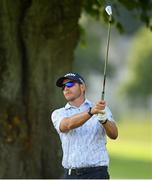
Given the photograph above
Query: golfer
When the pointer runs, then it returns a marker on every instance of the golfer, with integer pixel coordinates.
(82, 127)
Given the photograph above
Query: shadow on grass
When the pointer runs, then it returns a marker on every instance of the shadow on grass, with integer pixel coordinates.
(125, 168)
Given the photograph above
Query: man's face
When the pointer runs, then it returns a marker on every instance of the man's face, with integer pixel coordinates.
(74, 92)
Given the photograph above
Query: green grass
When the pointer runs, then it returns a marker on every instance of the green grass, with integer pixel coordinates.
(128, 168)
(131, 153)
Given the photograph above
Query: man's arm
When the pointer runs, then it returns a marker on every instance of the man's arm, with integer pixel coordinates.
(111, 129)
(79, 119)
(74, 121)
(109, 126)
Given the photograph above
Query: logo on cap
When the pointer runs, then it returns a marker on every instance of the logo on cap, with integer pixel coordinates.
(70, 74)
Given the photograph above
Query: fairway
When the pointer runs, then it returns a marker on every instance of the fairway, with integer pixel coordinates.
(131, 153)
(129, 168)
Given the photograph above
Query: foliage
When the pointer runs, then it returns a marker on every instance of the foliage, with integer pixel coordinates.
(139, 10)
(139, 83)
(127, 16)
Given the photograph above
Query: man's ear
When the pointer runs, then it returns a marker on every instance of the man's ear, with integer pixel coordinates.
(83, 87)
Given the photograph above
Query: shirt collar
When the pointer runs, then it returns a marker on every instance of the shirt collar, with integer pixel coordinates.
(68, 106)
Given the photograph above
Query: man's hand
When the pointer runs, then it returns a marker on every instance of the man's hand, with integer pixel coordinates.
(99, 107)
(102, 117)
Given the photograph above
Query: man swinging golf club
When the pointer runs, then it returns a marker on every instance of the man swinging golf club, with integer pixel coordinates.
(82, 127)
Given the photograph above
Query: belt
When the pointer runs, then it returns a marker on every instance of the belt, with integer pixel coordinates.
(80, 171)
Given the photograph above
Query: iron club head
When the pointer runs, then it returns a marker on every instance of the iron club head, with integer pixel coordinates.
(108, 9)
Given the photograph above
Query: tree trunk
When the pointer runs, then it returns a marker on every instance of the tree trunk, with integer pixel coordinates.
(38, 39)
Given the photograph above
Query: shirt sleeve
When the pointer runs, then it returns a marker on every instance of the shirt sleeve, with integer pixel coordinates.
(57, 117)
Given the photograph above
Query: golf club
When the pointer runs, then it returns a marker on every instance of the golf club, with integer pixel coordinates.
(108, 10)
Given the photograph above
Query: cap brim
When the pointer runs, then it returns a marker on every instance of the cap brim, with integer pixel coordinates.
(59, 82)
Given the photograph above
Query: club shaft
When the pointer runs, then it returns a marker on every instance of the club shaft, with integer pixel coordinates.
(106, 60)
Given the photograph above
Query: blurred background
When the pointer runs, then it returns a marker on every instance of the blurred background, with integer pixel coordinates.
(40, 41)
(128, 91)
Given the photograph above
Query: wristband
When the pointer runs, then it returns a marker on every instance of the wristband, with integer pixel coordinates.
(104, 122)
(89, 112)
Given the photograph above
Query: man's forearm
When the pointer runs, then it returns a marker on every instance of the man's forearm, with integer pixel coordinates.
(111, 129)
(74, 121)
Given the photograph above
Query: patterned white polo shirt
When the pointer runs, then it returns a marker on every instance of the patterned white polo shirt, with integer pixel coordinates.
(84, 146)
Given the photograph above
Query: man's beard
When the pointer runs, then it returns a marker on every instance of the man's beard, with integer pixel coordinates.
(73, 98)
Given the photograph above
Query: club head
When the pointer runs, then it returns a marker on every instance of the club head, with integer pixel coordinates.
(108, 9)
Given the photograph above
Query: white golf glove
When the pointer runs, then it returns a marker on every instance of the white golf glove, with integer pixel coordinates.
(102, 117)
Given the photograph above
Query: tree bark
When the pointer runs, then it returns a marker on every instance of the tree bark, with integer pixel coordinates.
(38, 39)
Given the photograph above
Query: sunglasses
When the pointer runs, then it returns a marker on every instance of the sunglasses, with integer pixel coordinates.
(68, 84)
